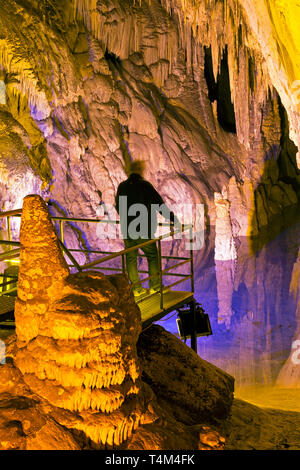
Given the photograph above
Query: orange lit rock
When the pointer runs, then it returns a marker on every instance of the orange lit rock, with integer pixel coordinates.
(41, 264)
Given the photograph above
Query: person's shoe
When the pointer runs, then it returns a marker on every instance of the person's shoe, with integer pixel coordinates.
(138, 294)
(154, 290)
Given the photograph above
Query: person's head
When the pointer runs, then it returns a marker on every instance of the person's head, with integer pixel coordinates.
(136, 166)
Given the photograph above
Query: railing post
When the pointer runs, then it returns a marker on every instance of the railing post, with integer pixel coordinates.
(8, 228)
(193, 326)
(123, 264)
(192, 304)
(160, 275)
(192, 260)
(61, 226)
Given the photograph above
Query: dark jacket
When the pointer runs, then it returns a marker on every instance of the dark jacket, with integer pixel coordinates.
(140, 191)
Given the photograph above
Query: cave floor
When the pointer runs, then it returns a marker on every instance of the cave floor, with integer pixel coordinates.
(250, 427)
(286, 399)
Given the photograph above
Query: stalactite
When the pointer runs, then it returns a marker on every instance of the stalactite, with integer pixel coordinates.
(215, 24)
(28, 82)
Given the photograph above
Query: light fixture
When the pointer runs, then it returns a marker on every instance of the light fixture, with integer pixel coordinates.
(184, 322)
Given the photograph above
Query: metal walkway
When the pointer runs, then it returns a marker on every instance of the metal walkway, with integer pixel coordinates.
(151, 310)
(153, 307)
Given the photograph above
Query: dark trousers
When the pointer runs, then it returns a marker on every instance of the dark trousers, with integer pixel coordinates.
(131, 263)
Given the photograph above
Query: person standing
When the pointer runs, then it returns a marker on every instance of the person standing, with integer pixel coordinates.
(138, 195)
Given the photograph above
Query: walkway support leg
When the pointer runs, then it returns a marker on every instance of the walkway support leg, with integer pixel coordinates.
(193, 326)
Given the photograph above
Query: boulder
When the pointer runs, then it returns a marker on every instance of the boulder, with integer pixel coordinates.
(191, 388)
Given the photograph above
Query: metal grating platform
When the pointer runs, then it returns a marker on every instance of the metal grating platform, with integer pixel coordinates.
(150, 306)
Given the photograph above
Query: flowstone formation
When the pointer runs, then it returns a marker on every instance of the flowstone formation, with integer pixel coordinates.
(73, 378)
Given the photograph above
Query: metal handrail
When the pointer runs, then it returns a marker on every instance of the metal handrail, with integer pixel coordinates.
(70, 256)
(133, 248)
(93, 264)
(77, 250)
(11, 213)
(11, 276)
(10, 254)
(161, 271)
(9, 291)
(9, 242)
(18, 213)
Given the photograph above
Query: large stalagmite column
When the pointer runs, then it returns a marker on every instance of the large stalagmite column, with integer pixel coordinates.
(41, 264)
